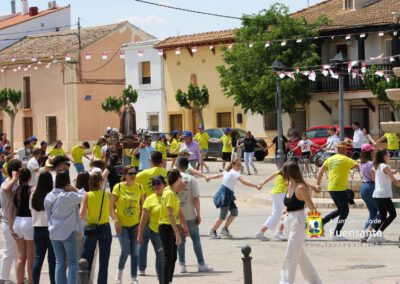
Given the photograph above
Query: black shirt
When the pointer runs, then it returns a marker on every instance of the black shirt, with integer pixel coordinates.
(115, 175)
(293, 204)
(21, 200)
(284, 141)
(249, 144)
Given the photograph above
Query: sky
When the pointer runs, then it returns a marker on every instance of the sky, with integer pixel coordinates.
(162, 22)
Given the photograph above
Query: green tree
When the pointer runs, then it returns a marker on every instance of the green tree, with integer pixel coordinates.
(114, 104)
(247, 75)
(195, 99)
(9, 101)
(378, 86)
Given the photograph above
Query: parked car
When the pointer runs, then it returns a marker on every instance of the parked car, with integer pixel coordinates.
(215, 148)
(319, 134)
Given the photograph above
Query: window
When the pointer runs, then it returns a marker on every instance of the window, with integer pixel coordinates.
(175, 122)
(27, 127)
(26, 96)
(146, 72)
(51, 129)
(270, 122)
(224, 119)
(385, 115)
(299, 119)
(152, 122)
(348, 4)
(360, 114)
(388, 50)
(342, 48)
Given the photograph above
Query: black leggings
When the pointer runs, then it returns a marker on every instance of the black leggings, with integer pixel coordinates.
(170, 252)
(341, 201)
(385, 206)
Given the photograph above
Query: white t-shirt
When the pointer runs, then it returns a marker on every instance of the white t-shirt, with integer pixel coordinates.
(331, 143)
(305, 145)
(186, 196)
(230, 179)
(33, 167)
(24, 155)
(39, 218)
(383, 184)
(358, 139)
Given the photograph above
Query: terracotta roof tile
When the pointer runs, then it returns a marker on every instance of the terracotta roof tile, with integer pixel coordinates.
(15, 19)
(55, 44)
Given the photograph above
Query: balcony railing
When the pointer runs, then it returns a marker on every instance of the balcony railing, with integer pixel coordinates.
(328, 84)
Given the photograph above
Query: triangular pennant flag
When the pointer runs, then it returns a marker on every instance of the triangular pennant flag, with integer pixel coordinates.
(211, 47)
(19, 67)
(387, 77)
(194, 49)
(392, 59)
(354, 75)
(299, 40)
(354, 63)
(68, 57)
(312, 76)
(230, 46)
(363, 35)
(331, 72)
(363, 67)
(290, 75)
(178, 51)
(25, 69)
(250, 45)
(48, 65)
(381, 33)
(378, 57)
(326, 66)
(267, 44)
(380, 73)
(140, 53)
(88, 56)
(121, 54)
(104, 56)
(348, 37)
(160, 52)
(283, 43)
(13, 58)
(305, 73)
(33, 58)
(325, 72)
(349, 67)
(335, 76)
(36, 68)
(282, 75)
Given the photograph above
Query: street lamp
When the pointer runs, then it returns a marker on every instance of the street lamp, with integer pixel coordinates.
(279, 66)
(339, 65)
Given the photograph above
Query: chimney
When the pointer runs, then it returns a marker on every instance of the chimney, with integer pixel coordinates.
(24, 7)
(13, 11)
(33, 11)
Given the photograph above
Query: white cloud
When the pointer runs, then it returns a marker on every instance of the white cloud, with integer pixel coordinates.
(148, 21)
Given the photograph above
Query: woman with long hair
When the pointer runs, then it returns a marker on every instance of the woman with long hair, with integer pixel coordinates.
(97, 153)
(57, 149)
(61, 206)
(225, 197)
(162, 146)
(175, 144)
(150, 217)
(367, 139)
(96, 208)
(82, 181)
(297, 197)
(40, 228)
(249, 144)
(21, 226)
(383, 194)
(367, 172)
(127, 198)
(171, 218)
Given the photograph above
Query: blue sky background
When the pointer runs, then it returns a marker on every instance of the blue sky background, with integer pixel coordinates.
(162, 22)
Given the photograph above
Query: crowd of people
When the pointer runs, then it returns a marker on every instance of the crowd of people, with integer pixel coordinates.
(45, 211)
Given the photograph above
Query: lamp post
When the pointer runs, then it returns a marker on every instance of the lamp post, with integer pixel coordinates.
(339, 61)
(279, 66)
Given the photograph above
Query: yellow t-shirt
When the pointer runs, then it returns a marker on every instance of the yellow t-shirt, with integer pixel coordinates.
(226, 144)
(280, 186)
(202, 140)
(392, 141)
(169, 199)
(94, 204)
(144, 178)
(161, 147)
(97, 151)
(77, 154)
(135, 161)
(57, 152)
(339, 167)
(128, 203)
(152, 204)
(175, 147)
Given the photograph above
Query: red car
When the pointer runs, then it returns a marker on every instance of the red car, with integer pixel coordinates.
(319, 134)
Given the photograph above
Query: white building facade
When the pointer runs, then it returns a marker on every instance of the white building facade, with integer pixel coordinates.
(144, 72)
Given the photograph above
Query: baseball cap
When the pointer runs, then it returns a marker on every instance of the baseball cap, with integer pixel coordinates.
(33, 138)
(162, 135)
(366, 148)
(1, 150)
(227, 130)
(187, 133)
(201, 127)
(175, 132)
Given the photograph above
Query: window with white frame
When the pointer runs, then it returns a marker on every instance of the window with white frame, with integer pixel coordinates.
(145, 71)
(153, 123)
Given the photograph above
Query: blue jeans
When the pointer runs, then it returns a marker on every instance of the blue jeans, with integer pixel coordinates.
(128, 243)
(149, 235)
(43, 244)
(248, 161)
(79, 167)
(195, 236)
(66, 250)
(367, 189)
(104, 238)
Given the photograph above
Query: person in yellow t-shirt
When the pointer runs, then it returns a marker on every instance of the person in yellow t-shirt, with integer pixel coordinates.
(96, 206)
(392, 143)
(148, 227)
(77, 153)
(175, 145)
(162, 146)
(135, 161)
(127, 197)
(57, 149)
(170, 218)
(202, 139)
(145, 176)
(227, 148)
(97, 154)
(338, 168)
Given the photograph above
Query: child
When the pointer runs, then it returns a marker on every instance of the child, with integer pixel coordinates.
(305, 145)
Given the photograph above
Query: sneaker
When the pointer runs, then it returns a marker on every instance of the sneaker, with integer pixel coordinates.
(205, 268)
(373, 238)
(262, 237)
(339, 239)
(134, 280)
(225, 233)
(118, 277)
(213, 234)
(381, 240)
(183, 268)
(280, 236)
(142, 273)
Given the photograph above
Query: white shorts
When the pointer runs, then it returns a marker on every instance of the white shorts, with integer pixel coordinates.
(23, 228)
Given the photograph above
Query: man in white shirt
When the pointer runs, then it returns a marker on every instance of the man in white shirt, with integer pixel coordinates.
(24, 154)
(358, 138)
(332, 142)
(33, 166)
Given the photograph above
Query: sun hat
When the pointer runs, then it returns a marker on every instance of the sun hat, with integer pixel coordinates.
(366, 147)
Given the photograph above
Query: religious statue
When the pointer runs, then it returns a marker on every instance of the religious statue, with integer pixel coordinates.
(128, 120)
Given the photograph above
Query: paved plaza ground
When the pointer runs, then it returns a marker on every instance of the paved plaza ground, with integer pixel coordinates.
(345, 262)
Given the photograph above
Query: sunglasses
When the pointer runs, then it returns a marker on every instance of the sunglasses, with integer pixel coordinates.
(68, 164)
(156, 183)
(131, 173)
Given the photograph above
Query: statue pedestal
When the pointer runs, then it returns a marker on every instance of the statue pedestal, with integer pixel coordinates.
(130, 142)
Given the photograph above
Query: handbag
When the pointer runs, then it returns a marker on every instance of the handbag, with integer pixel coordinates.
(92, 230)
